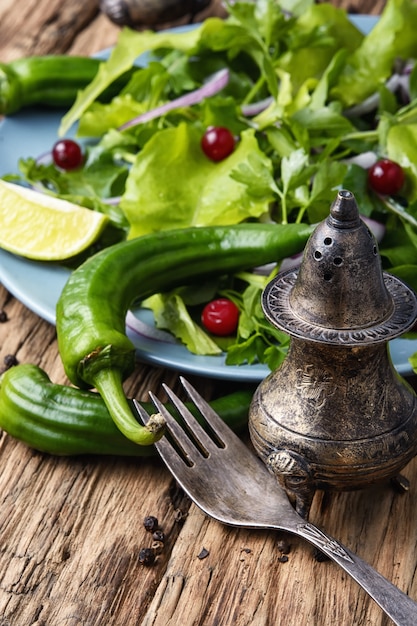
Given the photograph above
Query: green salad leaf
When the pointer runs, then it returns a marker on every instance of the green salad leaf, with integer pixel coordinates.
(171, 314)
(392, 38)
(402, 148)
(123, 56)
(195, 190)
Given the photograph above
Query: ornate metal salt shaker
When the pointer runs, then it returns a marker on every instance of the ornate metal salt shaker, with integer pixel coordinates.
(336, 415)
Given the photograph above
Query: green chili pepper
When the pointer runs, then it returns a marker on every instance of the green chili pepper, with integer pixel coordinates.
(67, 421)
(92, 307)
(51, 80)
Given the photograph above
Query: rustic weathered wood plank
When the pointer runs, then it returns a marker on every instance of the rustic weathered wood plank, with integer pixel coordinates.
(71, 529)
(42, 27)
(80, 531)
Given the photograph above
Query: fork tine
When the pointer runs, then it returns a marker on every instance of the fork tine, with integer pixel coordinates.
(189, 451)
(141, 411)
(194, 427)
(212, 418)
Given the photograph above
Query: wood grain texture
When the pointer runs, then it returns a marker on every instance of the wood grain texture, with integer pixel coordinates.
(71, 529)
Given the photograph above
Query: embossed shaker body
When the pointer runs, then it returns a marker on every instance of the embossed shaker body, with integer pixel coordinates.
(336, 415)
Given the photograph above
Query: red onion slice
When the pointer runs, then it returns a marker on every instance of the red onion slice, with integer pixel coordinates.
(216, 83)
(255, 108)
(144, 330)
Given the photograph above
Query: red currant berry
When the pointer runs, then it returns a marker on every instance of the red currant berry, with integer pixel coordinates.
(67, 154)
(386, 177)
(220, 317)
(217, 143)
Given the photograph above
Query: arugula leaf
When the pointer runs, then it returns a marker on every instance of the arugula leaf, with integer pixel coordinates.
(256, 30)
(356, 180)
(256, 174)
(327, 179)
(295, 171)
(257, 340)
(88, 187)
(320, 33)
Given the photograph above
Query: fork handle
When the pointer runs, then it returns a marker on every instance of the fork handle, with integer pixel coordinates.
(396, 604)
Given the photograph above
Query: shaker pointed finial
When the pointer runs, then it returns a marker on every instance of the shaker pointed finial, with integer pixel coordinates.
(344, 212)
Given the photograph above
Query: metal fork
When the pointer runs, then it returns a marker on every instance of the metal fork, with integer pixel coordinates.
(229, 483)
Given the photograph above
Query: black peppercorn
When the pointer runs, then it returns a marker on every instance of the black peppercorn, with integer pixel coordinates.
(147, 556)
(319, 556)
(283, 546)
(10, 360)
(150, 523)
(158, 535)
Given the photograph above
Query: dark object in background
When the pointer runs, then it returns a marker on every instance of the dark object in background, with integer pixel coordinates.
(150, 12)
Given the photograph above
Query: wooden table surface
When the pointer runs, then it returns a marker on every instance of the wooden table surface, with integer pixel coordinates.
(71, 528)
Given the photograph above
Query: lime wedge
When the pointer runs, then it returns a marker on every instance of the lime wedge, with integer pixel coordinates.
(41, 227)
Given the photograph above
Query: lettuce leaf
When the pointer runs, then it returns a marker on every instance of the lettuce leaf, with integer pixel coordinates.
(171, 314)
(172, 184)
(393, 37)
(402, 148)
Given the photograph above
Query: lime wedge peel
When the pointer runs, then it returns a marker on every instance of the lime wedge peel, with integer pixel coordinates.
(44, 228)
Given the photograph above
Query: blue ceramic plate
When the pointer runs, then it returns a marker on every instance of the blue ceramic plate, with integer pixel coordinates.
(38, 285)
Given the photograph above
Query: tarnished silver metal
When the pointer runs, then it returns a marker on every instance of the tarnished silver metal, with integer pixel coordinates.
(226, 480)
(150, 12)
(336, 415)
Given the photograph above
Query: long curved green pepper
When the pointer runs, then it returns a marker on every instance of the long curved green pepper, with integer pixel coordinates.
(91, 311)
(66, 421)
